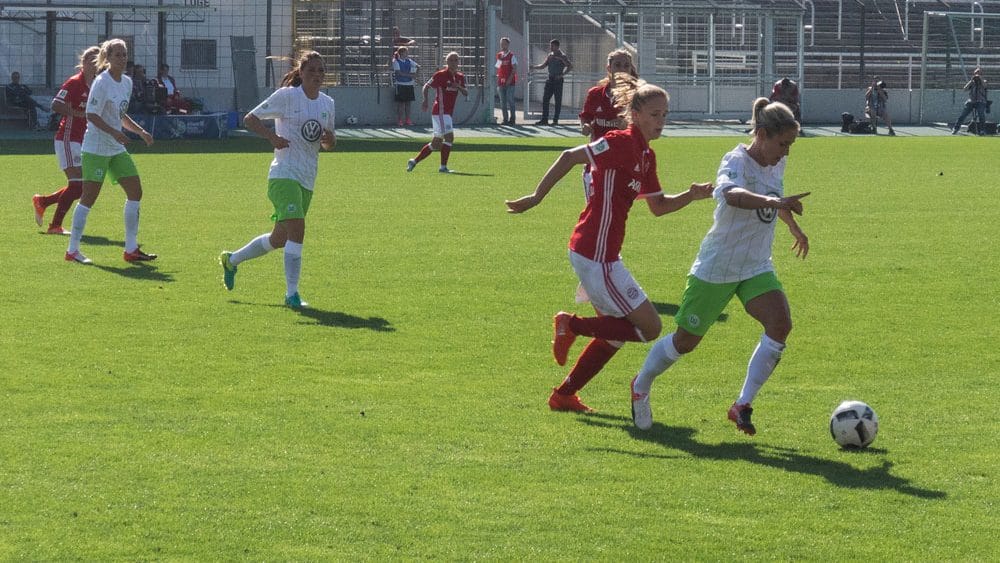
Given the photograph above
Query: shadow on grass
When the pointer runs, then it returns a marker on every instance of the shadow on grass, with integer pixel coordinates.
(100, 241)
(335, 319)
(672, 308)
(786, 459)
(138, 271)
(454, 173)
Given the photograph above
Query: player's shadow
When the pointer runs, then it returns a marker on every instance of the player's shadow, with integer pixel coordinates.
(91, 240)
(671, 309)
(454, 173)
(334, 319)
(786, 459)
(138, 271)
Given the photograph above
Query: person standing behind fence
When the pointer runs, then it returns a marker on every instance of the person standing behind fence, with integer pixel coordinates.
(735, 260)
(786, 91)
(506, 66)
(600, 115)
(877, 105)
(977, 101)
(71, 103)
(624, 170)
(403, 70)
(303, 124)
(447, 83)
(103, 151)
(558, 64)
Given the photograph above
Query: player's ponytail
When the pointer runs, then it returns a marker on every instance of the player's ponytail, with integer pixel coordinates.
(773, 117)
(632, 93)
(294, 76)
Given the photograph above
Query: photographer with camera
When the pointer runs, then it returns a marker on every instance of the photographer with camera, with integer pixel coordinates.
(877, 105)
(977, 101)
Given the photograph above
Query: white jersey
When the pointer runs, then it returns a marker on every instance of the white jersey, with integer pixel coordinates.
(108, 99)
(301, 121)
(738, 246)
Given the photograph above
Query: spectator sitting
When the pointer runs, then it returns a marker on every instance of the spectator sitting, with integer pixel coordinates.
(19, 95)
(143, 98)
(175, 102)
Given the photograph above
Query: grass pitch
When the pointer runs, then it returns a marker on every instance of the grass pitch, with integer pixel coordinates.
(147, 413)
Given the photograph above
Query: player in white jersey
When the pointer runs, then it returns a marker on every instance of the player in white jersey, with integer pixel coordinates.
(303, 123)
(104, 151)
(735, 259)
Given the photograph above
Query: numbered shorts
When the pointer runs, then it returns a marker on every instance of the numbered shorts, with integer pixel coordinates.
(442, 125)
(703, 302)
(289, 198)
(96, 167)
(68, 153)
(609, 286)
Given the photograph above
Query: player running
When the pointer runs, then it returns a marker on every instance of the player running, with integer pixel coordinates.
(735, 259)
(600, 115)
(303, 123)
(624, 169)
(447, 83)
(104, 154)
(71, 102)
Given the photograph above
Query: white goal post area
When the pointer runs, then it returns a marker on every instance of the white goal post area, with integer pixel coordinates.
(953, 44)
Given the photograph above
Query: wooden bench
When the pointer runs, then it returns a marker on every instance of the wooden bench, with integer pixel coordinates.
(12, 117)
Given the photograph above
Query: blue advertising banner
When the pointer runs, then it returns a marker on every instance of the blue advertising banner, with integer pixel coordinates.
(201, 126)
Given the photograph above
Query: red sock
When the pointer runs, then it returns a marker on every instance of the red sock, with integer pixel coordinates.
(67, 196)
(53, 197)
(593, 359)
(606, 328)
(424, 152)
(445, 152)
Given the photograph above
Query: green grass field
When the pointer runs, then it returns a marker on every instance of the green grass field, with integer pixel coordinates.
(148, 414)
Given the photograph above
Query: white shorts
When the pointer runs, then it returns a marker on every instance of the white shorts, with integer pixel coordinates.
(442, 125)
(609, 286)
(68, 154)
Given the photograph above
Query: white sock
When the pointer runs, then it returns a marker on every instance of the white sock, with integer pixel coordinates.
(80, 214)
(762, 363)
(293, 265)
(253, 249)
(661, 356)
(131, 225)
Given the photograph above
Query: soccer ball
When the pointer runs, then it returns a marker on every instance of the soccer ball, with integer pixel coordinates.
(853, 424)
(351, 120)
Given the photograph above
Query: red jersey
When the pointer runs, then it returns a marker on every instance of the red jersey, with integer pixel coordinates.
(600, 111)
(624, 168)
(74, 94)
(446, 85)
(505, 68)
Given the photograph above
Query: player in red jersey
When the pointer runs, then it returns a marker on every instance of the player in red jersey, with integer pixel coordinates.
(600, 114)
(447, 83)
(71, 102)
(624, 168)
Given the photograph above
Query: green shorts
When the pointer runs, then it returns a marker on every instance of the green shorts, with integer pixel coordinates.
(96, 167)
(703, 302)
(290, 199)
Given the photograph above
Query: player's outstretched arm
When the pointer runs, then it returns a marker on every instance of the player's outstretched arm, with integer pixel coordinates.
(662, 204)
(566, 161)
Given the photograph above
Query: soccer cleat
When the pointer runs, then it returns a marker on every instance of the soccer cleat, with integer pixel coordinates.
(36, 202)
(137, 255)
(57, 230)
(410, 164)
(562, 338)
(642, 415)
(295, 302)
(77, 256)
(740, 414)
(560, 402)
(444, 169)
(228, 270)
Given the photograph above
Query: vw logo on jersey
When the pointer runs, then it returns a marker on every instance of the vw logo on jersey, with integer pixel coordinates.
(312, 130)
(767, 214)
(123, 107)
